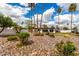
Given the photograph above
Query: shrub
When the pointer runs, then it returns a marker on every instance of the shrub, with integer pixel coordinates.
(47, 33)
(77, 34)
(69, 48)
(18, 45)
(12, 38)
(51, 35)
(66, 35)
(23, 37)
(38, 34)
(66, 49)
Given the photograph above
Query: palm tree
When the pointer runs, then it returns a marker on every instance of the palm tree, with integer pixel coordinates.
(41, 17)
(59, 11)
(37, 16)
(72, 8)
(31, 5)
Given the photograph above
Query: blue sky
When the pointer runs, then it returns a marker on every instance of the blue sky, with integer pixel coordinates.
(20, 12)
(39, 10)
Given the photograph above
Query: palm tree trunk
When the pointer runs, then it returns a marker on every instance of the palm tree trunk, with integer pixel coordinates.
(41, 22)
(71, 21)
(31, 20)
(41, 17)
(58, 22)
(37, 22)
(37, 19)
(34, 22)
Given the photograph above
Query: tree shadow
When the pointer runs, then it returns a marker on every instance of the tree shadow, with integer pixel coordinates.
(29, 42)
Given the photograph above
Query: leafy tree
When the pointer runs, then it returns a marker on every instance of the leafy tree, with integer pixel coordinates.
(52, 27)
(75, 29)
(5, 22)
(65, 28)
(45, 26)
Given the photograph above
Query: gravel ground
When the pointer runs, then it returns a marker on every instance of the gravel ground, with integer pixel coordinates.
(39, 46)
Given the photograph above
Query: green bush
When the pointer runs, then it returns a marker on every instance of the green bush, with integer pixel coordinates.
(69, 48)
(12, 38)
(66, 49)
(23, 37)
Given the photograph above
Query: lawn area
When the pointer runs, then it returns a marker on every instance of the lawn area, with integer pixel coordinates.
(38, 45)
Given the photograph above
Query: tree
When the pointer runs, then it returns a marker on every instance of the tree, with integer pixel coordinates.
(45, 26)
(72, 8)
(65, 28)
(29, 26)
(75, 29)
(31, 5)
(57, 29)
(5, 22)
(59, 11)
(17, 27)
(41, 17)
(37, 17)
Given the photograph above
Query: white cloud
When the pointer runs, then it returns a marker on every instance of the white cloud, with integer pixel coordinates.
(66, 19)
(48, 14)
(65, 6)
(15, 12)
(46, 17)
(24, 4)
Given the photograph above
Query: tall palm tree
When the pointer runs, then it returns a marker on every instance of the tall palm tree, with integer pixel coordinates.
(58, 11)
(34, 21)
(72, 8)
(31, 5)
(37, 16)
(41, 17)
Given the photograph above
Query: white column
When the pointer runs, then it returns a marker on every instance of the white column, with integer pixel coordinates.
(54, 31)
(48, 30)
(41, 31)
